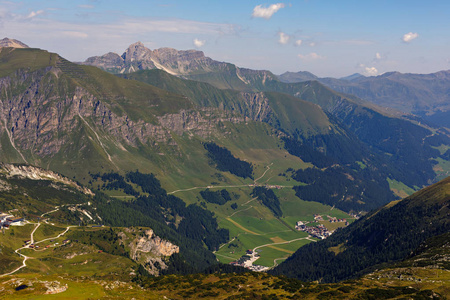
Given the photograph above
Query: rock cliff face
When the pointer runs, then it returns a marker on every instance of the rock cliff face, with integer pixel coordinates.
(40, 114)
(257, 107)
(148, 249)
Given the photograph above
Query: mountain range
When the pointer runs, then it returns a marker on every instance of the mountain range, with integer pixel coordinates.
(212, 158)
(56, 114)
(424, 95)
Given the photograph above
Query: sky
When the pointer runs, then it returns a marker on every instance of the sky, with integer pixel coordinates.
(329, 38)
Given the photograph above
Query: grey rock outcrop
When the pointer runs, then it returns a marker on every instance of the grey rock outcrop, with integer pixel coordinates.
(148, 249)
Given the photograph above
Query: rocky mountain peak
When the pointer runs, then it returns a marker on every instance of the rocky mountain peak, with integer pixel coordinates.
(136, 52)
(7, 42)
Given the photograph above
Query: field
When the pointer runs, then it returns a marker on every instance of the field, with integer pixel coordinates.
(253, 225)
(399, 188)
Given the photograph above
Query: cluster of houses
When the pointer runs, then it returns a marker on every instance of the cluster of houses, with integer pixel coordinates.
(335, 220)
(319, 231)
(7, 220)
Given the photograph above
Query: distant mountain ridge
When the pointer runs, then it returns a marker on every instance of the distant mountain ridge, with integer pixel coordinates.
(188, 64)
(425, 95)
(138, 57)
(290, 77)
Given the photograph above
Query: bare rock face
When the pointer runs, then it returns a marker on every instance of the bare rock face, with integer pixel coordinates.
(201, 122)
(39, 119)
(149, 250)
(152, 243)
(6, 42)
(35, 173)
(184, 62)
(257, 107)
(137, 52)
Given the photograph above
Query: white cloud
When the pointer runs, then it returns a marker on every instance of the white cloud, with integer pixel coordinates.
(368, 71)
(311, 56)
(284, 38)
(312, 44)
(266, 12)
(298, 42)
(198, 43)
(371, 71)
(408, 37)
(377, 56)
(75, 34)
(34, 14)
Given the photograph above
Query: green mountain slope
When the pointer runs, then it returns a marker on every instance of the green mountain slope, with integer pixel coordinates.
(80, 120)
(351, 131)
(383, 236)
(392, 142)
(57, 114)
(407, 146)
(280, 110)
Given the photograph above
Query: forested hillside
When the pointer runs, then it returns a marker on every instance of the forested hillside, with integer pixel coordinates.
(384, 236)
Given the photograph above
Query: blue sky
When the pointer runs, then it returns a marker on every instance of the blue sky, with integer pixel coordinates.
(325, 37)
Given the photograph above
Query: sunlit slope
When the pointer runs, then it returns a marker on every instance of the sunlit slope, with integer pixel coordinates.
(79, 119)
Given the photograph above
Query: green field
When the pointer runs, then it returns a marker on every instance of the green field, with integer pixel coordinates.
(270, 253)
(399, 188)
(252, 225)
(442, 168)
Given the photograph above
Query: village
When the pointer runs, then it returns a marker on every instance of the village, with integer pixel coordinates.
(319, 231)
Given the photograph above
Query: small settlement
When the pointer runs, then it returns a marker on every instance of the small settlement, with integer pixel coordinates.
(318, 231)
(247, 261)
(7, 220)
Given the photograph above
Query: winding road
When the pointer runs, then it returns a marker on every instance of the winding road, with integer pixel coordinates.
(25, 258)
